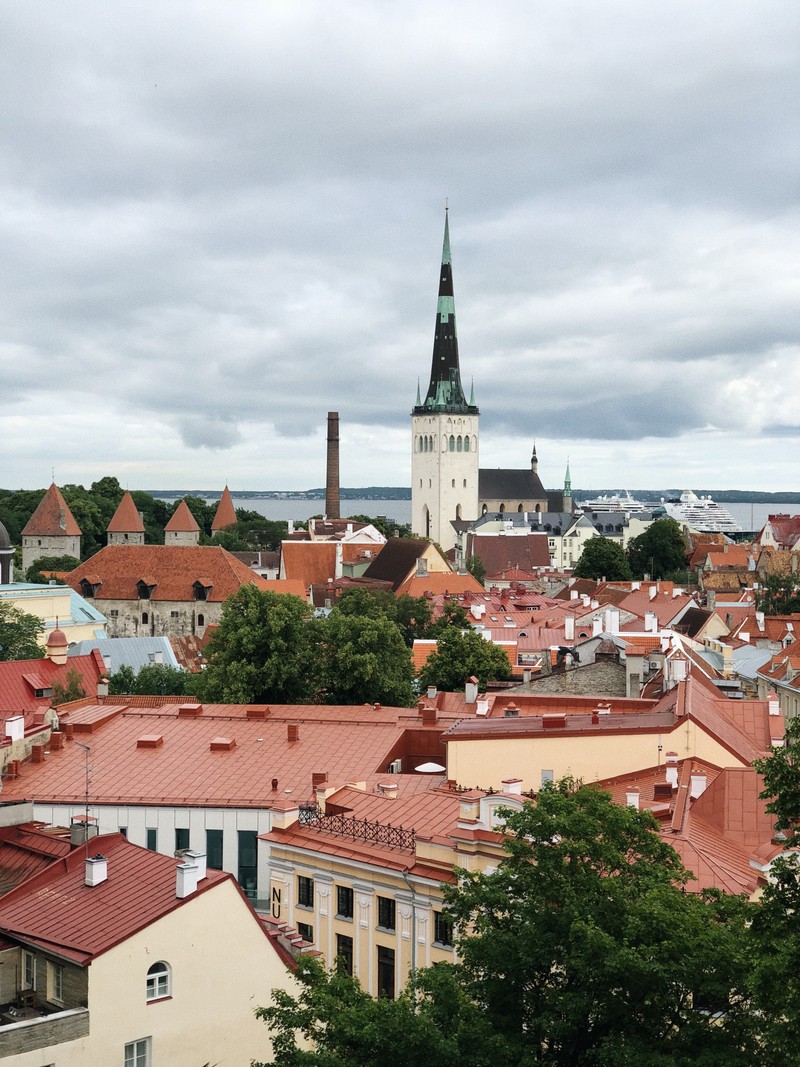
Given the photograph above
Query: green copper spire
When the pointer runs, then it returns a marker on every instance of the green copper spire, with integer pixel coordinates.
(418, 399)
(445, 391)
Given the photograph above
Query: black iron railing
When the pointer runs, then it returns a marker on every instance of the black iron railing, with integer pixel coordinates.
(359, 829)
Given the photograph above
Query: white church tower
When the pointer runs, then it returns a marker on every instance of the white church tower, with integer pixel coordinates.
(444, 430)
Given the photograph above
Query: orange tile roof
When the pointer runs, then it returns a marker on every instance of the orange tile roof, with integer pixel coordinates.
(421, 652)
(439, 583)
(20, 679)
(126, 518)
(52, 517)
(182, 520)
(311, 562)
(174, 569)
(56, 911)
(225, 514)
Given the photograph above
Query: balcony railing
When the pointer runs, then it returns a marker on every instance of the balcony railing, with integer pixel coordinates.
(359, 829)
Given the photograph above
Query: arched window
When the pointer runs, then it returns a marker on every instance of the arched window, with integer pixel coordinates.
(145, 618)
(520, 509)
(201, 620)
(537, 509)
(458, 511)
(453, 484)
(484, 509)
(502, 509)
(459, 444)
(424, 444)
(466, 444)
(452, 443)
(159, 981)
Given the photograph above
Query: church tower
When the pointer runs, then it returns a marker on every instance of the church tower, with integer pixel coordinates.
(444, 431)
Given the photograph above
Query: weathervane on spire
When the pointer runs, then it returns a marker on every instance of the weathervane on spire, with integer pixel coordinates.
(445, 204)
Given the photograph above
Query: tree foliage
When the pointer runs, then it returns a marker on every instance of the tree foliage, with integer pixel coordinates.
(261, 651)
(362, 659)
(19, 634)
(659, 551)
(411, 614)
(476, 568)
(460, 655)
(70, 689)
(49, 563)
(778, 594)
(603, 558)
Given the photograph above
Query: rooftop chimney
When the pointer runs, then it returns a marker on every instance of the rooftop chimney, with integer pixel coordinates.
(569, 627)
(698, 784)
(292, 731)
(96, 870)
(632, 796)
(199, 860)
(186, 878)
(772, 704)
(471, 690)
(512, 787)
(332, 504)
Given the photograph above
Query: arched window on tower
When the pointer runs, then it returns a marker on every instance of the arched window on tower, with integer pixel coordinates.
(502, 509)
(458, 511)
(520, 509)
(452, 443)
(466, 443)
(484, 509)
(459, 443)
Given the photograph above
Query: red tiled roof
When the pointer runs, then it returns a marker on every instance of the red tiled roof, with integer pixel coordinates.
(19, 680)
(310, 562)
(499, 551)
(56, 911)
(126, 518)
(226, 513)
(52, 517)
(445, 583)
(172, 570)
(182, 520)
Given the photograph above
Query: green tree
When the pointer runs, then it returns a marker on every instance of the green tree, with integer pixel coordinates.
(659, 551)
(603, 558)
(778, 594)
(160, 679)
(476, 568)
(49, 563)
(122, 682)
(261, 651)
(70, 689)
(19, 634)
(583, 949)
(460, 655)
(363, 659)
(412, 614)
(452, 615)
(431, 1022)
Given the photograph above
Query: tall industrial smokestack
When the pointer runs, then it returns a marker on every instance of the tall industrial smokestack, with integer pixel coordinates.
(332, 505)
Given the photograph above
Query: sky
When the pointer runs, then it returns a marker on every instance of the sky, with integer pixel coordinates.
(220, 221)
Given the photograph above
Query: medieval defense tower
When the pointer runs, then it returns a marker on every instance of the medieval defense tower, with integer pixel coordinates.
(444, 431)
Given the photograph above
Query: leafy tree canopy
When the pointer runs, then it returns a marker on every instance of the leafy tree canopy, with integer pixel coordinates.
(603, 558)
(363, 660)
(412, 614)
(476, 568)
(262, 650)
(461, 654)
(49, 563)
(70, 689)
(18, 634)
(778, 594)
(659, 551)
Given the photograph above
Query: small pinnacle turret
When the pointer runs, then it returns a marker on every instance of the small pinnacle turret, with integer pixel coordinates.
(567, 483)
(445, 391)
(534, 459)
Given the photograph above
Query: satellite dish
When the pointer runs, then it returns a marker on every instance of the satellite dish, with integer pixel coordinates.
(430, 768)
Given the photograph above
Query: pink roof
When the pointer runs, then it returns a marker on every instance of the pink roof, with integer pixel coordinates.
(52, 517)
(126, 518)
(56, 911)
(182, 521)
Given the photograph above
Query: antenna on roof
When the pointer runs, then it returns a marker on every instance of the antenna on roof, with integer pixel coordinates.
(87, 751)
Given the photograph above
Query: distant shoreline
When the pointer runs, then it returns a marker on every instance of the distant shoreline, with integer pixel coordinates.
(722, 496)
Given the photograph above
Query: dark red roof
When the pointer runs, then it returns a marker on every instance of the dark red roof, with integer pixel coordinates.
(226, 513)
(182, 520)
(52, 517)
(126, 518)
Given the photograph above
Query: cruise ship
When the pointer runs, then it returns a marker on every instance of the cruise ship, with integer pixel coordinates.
(700, 513)
(622, 501)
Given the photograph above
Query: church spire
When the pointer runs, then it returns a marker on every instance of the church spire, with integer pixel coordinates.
(534, 459)
(567, 484)
(445, 391)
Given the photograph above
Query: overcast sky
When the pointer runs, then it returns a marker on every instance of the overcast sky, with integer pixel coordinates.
(219, 221)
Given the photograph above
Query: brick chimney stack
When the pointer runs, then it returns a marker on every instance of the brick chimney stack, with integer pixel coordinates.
(332, 505)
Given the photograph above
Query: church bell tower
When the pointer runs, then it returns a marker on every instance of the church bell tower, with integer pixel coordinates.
(444, 430)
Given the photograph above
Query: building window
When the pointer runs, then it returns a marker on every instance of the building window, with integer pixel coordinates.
(55, 982)
(145, 618)
(151, 838)
(248, 862)
(344, 902)
(158, 981)
(386, 913)
(114, 613)
(214, 849)
(305, 891)
(306, 932)
(28, 970)
(143, 590)
(386, 972)
(124, 831)
(137, 1053)
(547, 777)
(174, 614)
(201, 620)
(442, 930)
(181, 838)
(344, 953)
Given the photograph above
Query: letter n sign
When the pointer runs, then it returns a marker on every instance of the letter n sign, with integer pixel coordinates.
(276, 903)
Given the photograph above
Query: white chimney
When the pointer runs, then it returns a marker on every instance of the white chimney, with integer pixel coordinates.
(471, 690)
(760, 620)
(698, 784)
(512, 787)
(569, 627)
(431, 692)
(585, 599)
(482, 706)
(772, 704)
(186, 878)
(573, 594)
(199, 859)
(650, 622)
(612, 620)
(632, 797)
(594, 604)
(636, 585)
(15, 728)
(652, 592)
(96, 869)
(672, 769)
(597, 626)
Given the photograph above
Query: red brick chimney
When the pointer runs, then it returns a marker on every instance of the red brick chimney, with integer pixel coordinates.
(332, 504)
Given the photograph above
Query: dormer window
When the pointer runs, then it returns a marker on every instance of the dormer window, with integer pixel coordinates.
(144, 590)
(201, 588)
(89, 586)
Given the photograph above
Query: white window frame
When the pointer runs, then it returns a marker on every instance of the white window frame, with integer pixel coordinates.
(159, 981)
(137, 1053)
(28, 970)
(55, 981)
